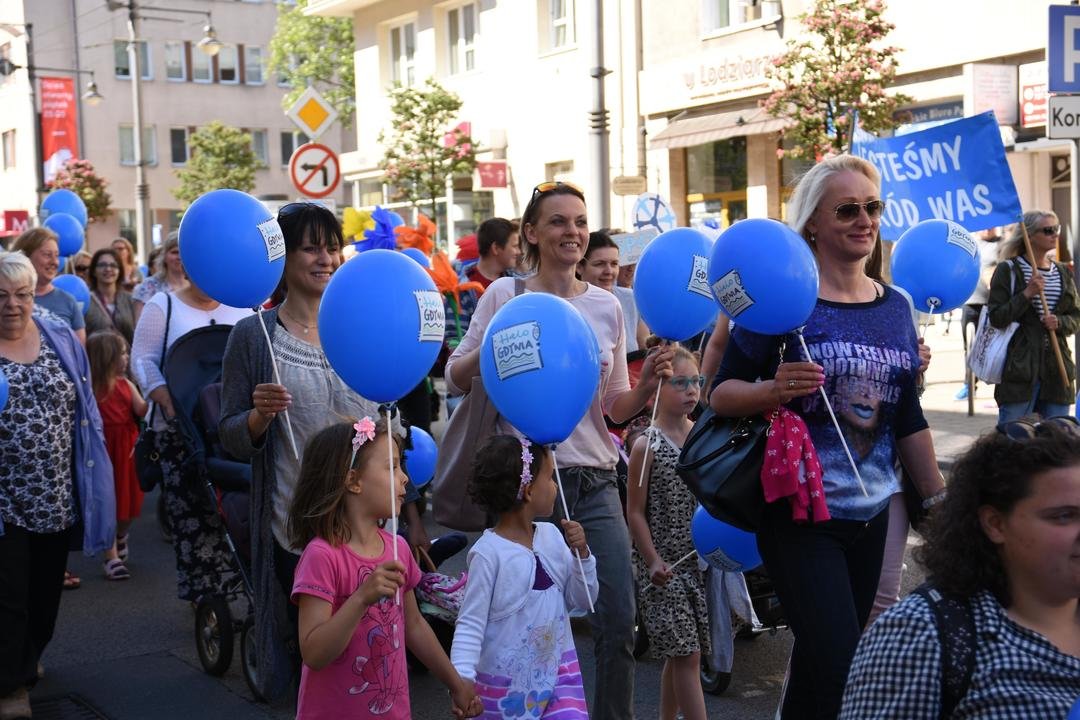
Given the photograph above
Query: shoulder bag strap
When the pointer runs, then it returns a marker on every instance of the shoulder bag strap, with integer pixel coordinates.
(956, 631)
(519, 286)
(164, 346)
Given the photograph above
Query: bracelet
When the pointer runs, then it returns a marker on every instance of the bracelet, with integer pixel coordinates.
(933, 500)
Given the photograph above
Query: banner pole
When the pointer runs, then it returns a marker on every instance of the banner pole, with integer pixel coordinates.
(1046, 308)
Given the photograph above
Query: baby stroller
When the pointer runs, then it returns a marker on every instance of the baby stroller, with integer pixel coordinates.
(192, 369)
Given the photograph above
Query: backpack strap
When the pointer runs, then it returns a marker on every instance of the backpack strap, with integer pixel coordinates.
(955, 625)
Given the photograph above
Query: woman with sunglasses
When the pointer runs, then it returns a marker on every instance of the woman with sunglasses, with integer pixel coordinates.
(79, 265)
(862, 343)
(1003, 548)
(555, 228)
(1031, 381)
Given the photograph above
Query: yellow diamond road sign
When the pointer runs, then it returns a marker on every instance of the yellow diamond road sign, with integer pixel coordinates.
(312, 113)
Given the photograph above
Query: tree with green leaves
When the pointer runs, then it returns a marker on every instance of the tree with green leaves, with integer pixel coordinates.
(318, 51)
(422, 149)
(830, 72)
(80, 177)
(221, 157)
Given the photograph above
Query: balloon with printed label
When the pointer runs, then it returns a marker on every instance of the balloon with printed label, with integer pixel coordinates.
(232, 247)
(724, 547)
(420, 458)
(381, 324)
(70, 233)
(67, 202)
(74, 284)
(937, 262)
(540, 363)
(671, 287)
(764, 276)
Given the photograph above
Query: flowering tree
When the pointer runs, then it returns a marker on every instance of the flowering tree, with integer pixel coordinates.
(80, 177)
(422, 150)
(831, 72)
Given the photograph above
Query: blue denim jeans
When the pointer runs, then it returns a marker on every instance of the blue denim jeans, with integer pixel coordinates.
(593, 499)
(1014, 411)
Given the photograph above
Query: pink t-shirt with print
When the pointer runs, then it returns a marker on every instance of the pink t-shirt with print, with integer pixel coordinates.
(369, 679)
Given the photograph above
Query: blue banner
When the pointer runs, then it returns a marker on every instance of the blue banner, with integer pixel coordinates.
(956, 171)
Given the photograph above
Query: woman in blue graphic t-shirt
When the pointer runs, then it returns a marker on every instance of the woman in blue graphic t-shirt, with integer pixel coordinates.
(865, 352)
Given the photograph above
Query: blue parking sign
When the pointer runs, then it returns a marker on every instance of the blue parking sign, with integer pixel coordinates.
(1063, 49)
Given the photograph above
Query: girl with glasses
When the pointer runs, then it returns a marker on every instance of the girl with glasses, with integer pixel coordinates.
(1031, 381)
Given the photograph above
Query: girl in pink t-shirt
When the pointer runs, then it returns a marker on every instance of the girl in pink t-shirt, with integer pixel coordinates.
(357, 608)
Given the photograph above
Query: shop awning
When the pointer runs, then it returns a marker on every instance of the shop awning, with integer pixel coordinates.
(689, 129)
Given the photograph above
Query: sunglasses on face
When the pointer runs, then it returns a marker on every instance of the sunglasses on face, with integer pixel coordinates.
(849, 211)
(1049, 230)
(1028, 429)
(684, 382)
(546, 187)
(82, 268)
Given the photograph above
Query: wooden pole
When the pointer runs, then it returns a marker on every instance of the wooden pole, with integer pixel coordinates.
(1046, 308)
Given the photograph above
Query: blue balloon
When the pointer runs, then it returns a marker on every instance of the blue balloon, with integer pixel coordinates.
(764, 276)
(144, 270)
(3, 390)
(67, 202)
(671, 287)
(724, 547)
(232, 247)
(420, 460)
(418, 256)
(68, 231)
(74, 284)
(937, 262)
(1074, 714)
(540, 363)
(381, 324)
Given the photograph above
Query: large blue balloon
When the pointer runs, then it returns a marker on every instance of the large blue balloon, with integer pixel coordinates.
(74, 284)
(232, 247)
(65, 201)
(540, 363)
(381, 324)
(937, 262)
(418, 256)
(69, 233)
(3, 390)
(671, 287)
(724, 547)
(764, 276)
(1074, 714)
(420, 459)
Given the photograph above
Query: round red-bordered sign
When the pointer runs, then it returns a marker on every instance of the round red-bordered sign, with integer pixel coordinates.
(314, 170)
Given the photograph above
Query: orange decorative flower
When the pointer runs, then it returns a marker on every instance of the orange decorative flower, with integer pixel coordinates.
(449, 284)
(421, 237)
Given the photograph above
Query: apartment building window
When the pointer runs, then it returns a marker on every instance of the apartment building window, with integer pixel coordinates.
(178, 146)
(461, 36)
(260, 143)
(202, 70)
(123, 60)
(228, 65)
(127, 224)
(722, 14)
(9, 149)
(175, 62)
(290, 140)
(403, 54)
(127, 145)
(561, 17)
(253, 65)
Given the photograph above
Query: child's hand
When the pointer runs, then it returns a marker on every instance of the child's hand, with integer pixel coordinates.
(659, 572)
(466, 702)
(384, 582)
(575, 538)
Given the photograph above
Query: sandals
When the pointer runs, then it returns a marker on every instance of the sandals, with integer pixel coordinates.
(71, 581)
(116, 570)
(122, 546)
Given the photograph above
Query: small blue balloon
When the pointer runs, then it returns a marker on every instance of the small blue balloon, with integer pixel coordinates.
(3, 390)
(764, 276)
(724, 547)
(420, 459)
(540, 363)
(65, 201)
(1074, 714)
(418, 256)
(937, 262)
(671, 287)
(68, 231)
(232, 247)
(74, 285)
(144, 270)
(381, 324)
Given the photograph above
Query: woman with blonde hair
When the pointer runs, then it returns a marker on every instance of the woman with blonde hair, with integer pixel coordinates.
(130, 275)
(169, 278)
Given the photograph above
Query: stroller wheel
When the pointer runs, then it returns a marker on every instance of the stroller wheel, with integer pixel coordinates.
(248, 657)
(164, 523)
(214, 634)
(713, 682)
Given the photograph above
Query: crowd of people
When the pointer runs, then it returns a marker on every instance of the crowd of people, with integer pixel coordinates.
(994, 634)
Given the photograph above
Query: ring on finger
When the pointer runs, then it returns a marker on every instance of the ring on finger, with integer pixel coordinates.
(791, 383)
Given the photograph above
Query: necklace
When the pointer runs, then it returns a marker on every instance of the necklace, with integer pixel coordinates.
(292, 317)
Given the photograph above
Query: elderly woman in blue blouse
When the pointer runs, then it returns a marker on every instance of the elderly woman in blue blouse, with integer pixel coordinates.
(56, 486)
(1003, 556)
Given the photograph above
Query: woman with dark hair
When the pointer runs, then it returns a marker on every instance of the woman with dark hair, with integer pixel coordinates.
(1004, 547)
(600, 266)
(111, 306)
(555, 228)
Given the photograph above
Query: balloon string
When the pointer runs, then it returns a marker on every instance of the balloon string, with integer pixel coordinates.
(393, 495)
(566, 514)
(836, 423)
(678, 562)
(277, 379)
(649, 433)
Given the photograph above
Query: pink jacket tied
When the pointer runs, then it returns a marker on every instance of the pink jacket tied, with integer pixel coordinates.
(791, 468)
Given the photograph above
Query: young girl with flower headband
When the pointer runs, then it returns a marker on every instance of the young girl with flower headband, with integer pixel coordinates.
(357, 608)
(513, 638)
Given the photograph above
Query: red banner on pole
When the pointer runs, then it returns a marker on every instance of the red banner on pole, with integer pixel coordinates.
(59, 124)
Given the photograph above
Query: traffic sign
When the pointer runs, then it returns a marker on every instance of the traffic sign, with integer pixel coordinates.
(314, 170)
(312, 113)
(1063, 49)
(1063, 120)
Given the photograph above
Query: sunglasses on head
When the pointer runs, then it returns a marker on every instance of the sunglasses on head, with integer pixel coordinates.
(1049, 230)
(546, 187)
(1028, 429)
(294, 207)
(849, 211)
(684, 382)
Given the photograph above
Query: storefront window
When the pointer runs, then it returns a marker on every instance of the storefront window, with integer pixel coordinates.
(716, 167)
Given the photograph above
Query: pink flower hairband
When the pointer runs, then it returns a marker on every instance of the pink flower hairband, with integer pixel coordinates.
(365, 431)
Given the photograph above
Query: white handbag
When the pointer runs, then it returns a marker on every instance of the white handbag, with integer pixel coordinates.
(990, 345)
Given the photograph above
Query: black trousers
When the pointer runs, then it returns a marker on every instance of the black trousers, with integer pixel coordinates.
(826, 575)
(31, 582)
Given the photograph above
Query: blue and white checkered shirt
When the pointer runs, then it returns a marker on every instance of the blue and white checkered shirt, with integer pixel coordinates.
(896, 673)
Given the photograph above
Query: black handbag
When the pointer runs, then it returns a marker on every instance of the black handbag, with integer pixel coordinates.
(147, 458)
(721, 464)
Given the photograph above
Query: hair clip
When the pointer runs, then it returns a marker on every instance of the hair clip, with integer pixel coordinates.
(526, 469)
(365, 431)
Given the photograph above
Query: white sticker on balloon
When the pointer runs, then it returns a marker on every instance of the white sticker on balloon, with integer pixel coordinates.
(432, 315)
(517, 349)
(722, 561)
(274, 239)
(731, 294)
(961, 238)
(699, 277)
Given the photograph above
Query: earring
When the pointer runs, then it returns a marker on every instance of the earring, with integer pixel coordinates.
(813, 238)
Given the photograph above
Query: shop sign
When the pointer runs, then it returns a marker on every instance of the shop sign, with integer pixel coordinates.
(1033, 94)
(706, 78)
(991, 87)
(1064, 117)
(14, 222)
(628, 185)
(492, 174)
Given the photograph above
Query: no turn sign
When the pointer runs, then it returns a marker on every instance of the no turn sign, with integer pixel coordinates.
(314, 170)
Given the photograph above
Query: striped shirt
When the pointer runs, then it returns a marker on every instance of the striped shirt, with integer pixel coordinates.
(1052, 288)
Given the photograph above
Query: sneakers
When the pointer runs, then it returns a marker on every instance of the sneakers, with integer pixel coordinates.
(15, 706)
(963, 393)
